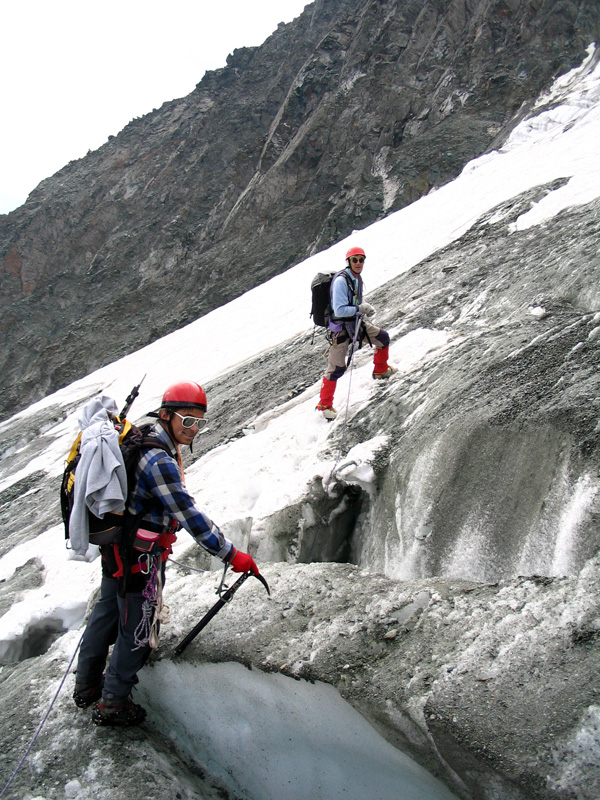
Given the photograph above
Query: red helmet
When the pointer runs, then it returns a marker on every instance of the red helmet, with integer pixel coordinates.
(184, 395)
(355, 251)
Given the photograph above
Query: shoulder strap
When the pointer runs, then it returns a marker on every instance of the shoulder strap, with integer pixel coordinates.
(348, 279)
(351, 289)
(123, 551)
(152, 441)
(148, 441)
(337, 275)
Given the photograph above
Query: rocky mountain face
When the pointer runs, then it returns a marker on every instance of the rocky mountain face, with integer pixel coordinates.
(355, 109)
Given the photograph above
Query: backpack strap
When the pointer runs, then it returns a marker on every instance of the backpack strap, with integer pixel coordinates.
(351, 289)
(123, 551)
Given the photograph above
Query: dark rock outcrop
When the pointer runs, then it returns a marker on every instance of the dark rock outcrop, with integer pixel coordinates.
(354, 110)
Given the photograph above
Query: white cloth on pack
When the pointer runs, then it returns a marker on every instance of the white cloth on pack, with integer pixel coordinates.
(100, 478)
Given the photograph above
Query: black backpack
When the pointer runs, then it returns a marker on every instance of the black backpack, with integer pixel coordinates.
(132, 440)
(321, 296)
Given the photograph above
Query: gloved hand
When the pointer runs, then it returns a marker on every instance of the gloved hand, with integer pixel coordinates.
(242, 562)
(366, 309)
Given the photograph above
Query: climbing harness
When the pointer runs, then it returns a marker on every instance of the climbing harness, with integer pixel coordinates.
(224, 597)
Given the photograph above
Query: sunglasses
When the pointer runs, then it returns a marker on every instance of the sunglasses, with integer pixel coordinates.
(189, 421)
(357, 260)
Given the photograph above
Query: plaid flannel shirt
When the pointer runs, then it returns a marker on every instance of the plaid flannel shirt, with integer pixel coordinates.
(158, 478)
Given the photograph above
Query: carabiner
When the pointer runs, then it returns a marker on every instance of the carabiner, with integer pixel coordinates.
(145, 563)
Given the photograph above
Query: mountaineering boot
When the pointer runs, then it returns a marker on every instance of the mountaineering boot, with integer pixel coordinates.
(328, 411)
(325, 403)
(86, 694)
(121, 713)
(381, 368)
(383, 375)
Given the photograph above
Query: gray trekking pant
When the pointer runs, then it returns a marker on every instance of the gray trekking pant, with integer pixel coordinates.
(112, 622)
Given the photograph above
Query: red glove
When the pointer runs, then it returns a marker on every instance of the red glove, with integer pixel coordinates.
(242, 562)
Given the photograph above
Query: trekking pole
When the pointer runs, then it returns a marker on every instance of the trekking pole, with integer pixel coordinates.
(359, 323)
(225, 598)
(357, 327)
(130, 398)
(350, 363)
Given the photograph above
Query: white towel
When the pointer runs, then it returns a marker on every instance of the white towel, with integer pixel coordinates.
(100, 478)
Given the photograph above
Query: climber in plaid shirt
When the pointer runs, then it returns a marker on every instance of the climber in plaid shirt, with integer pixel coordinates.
(159, 477)
(128, 612)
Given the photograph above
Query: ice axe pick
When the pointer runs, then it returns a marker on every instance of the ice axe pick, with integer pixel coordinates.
(223, 599)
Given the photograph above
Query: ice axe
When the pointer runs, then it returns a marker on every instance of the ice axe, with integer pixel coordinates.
(223, 599)
(129, 400)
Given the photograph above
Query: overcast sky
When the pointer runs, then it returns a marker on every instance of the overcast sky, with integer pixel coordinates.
(74, 72)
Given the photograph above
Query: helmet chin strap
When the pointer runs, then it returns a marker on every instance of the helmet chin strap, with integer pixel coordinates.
(167, 424)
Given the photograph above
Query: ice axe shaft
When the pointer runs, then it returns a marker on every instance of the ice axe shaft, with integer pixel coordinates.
(225, 598)
(129, 400)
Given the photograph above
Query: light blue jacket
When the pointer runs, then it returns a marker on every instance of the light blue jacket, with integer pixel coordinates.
(345, 301)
